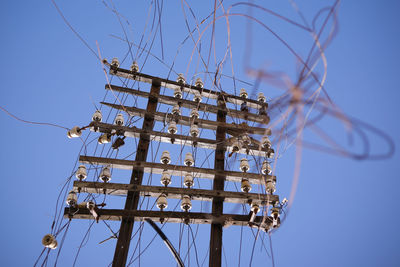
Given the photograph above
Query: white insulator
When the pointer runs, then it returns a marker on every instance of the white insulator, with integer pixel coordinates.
(261, 97)
(186, 203)
(194, 130)
(194, 113)
(189, 161)
(244, 165)
(119, 120)
(236, 146)
(165, 178)
(162, 202)
(72, 199)
(199, 83)
(165, 157)
(243, 93)
(134, 67)
(188, 180)
(275, 213)
(105, 174)
(266, 168)
(246, 140)
(181, 79)
(97, 116)
(172, 129)
(271, 153)
(104, 139)
(245, 186)
(255, 208)
(265, 142)
(81, 173)
(74, 132)
(270, 186)
(115, 62)
(178, 93)
(90, 205)
(197, 97)
(49, 241)
(176, 110)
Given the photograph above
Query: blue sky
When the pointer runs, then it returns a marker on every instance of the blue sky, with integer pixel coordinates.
(345, 212)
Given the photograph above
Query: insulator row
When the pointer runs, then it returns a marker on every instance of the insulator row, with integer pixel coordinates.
(49, 241)
(115, 63)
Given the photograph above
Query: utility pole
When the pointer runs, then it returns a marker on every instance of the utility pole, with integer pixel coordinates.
(230, 137)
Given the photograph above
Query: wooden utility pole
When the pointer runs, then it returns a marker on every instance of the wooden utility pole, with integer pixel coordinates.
(223, 143)
(132, 199)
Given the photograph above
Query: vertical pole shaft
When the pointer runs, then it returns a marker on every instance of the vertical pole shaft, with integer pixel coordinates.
(218, 184)
(132, 199)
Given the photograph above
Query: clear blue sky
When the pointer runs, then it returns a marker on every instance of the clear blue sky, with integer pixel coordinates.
(345, 212)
